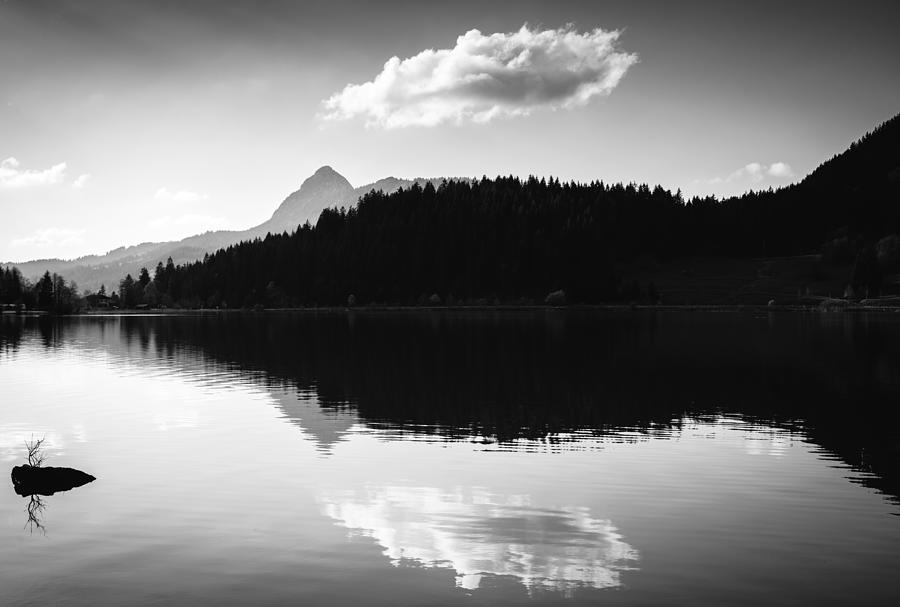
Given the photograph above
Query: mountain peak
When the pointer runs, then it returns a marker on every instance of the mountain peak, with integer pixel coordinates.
(324, 188)
(325, 170)
(325, 176)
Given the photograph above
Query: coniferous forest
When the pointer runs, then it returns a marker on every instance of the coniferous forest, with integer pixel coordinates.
(511, 240)
(52, 292)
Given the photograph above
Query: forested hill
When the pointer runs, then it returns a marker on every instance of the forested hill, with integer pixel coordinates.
(873, 160)
(506, 238)
(854, 195)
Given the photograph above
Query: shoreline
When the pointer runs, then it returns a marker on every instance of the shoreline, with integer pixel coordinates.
(843, 307)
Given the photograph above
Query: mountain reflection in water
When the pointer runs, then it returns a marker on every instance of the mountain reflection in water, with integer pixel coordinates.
(478, 533)
(487, 458)
(540, 375)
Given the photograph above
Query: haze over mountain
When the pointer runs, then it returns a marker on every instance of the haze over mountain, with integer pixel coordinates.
(323, 189)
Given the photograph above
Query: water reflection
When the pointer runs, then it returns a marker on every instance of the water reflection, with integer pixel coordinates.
(685, 458)
(35, 512)
(36, 481)
(325, 426)
(10, 332)
(537, 376)
(545, 377)
(478, 533)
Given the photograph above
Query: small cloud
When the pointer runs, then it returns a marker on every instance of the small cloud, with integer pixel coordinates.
(47, 237)
(486, 77)
(81, 181)
(12, 176)
(781, 170)
(753, 172)
(748, 176)
(756, 172)
(179, 196)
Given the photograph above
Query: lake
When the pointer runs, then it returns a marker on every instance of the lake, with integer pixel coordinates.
(444, 458)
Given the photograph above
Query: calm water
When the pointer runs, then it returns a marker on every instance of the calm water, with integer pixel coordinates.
(436, 458)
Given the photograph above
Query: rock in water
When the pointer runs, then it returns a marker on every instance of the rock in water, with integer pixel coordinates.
(31, 480)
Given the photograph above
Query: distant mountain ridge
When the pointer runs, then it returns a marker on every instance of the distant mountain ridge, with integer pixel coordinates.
(323, 189)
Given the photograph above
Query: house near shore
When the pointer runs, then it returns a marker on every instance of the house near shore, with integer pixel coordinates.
(96, 300)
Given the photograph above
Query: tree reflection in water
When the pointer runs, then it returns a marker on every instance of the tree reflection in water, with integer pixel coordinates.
(33, 480)
(35, 510)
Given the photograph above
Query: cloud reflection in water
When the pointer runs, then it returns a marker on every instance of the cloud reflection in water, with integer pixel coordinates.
(478, 533)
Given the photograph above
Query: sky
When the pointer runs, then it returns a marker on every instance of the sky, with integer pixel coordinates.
(125, 122)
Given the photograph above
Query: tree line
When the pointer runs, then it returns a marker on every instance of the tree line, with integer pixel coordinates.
(51, 293)
(491, 240)
(511, 240)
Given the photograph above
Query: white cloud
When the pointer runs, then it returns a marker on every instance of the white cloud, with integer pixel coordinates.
(485, 77)
(81, 181)
(12, 176)
(781, 170)
(179, 196)
(755, 172)
(47, 237)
